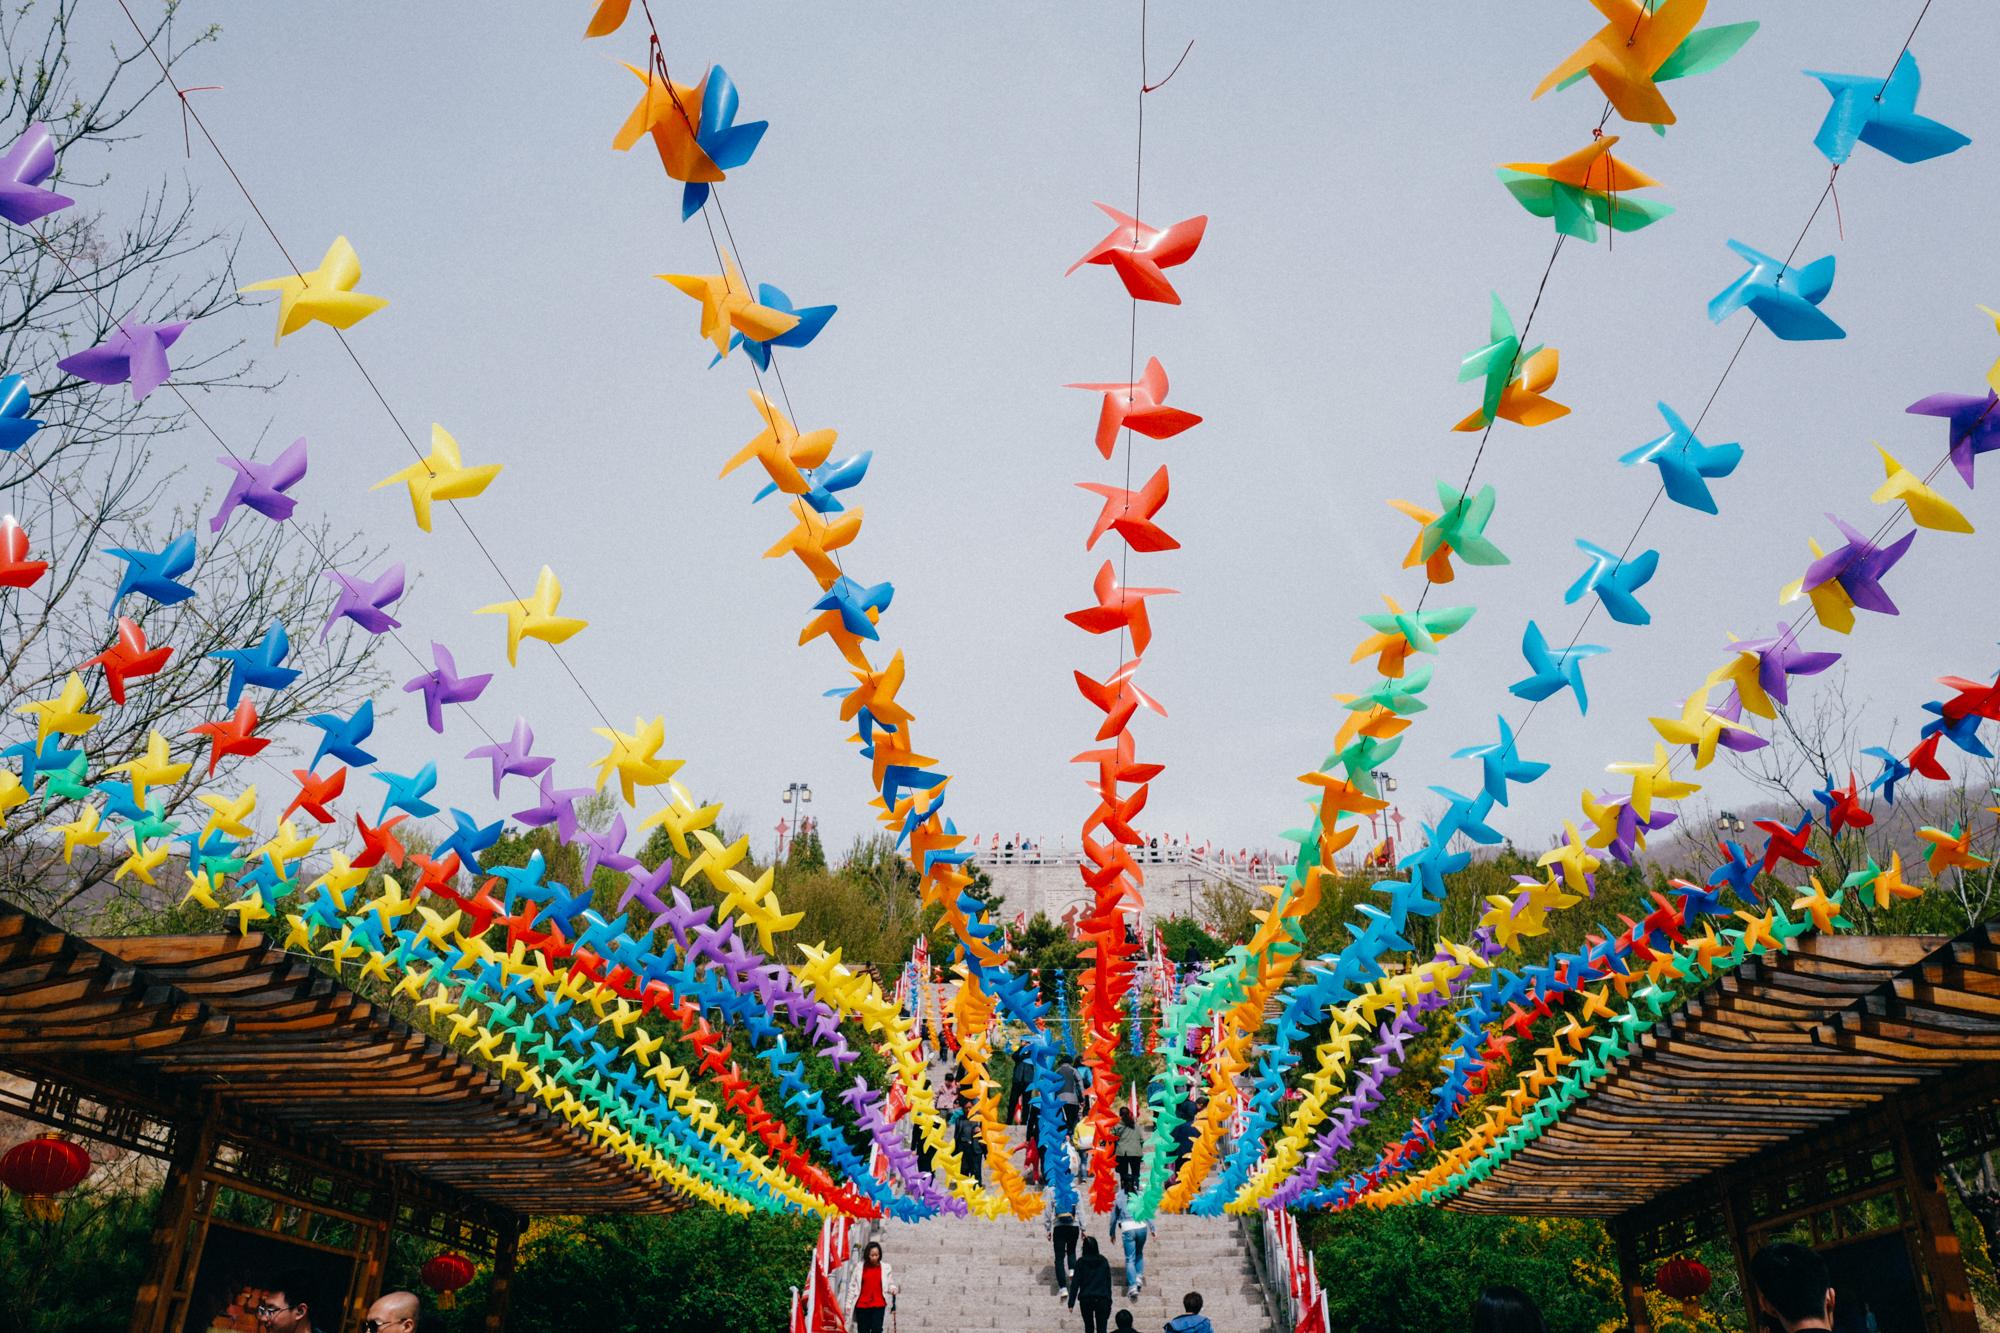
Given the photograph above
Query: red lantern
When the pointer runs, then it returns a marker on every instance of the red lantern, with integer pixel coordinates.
(1683, 1279)
(42, 1168)
(445, 1274)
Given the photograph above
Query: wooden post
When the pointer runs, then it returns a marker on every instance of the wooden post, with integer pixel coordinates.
(375, 1264)
(194, 1142)
(1631, 1278)
(1937, 1243)
(1734, 1205)
(500, 1289)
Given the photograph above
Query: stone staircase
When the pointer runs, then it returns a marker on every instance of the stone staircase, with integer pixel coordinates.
(960, 1274)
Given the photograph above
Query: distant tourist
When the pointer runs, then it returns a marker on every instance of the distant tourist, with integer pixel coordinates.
(395, 1312)
(875, 1288)
(1502, 1309)
(1794, 1289)
(1063, 1234)
(1069, 1092)
(1090, 1287)
(1191, 1319)
(1131, 1144)
(290, 1301)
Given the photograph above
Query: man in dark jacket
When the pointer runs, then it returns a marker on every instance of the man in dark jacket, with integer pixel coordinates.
(1065, 1233)
(1090, 1287)
(1020, 1095)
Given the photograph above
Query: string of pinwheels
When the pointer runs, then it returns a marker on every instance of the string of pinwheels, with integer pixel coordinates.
(538, 1009)
(1767, 661)
(335, 264)
(912, 794)
(1497, 362)
(1138, 254)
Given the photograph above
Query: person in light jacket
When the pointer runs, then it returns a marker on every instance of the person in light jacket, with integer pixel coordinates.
(1130, 1234)
(874, 1289)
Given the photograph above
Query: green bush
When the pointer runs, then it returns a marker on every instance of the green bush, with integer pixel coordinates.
(74, 1273)
(688, 1272)
(1418, 1270)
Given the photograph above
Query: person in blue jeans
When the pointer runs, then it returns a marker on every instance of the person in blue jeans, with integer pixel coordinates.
(1131, 1233)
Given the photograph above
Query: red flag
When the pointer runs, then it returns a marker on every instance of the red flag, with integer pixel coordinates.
(826, 1305)
(798, 1320)
(1314, 1320)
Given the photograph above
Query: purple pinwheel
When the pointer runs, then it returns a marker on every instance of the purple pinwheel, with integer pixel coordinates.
(262, 486)
(1975, 425)
(860, 1095)
(513, 755)
(684, 918)
(443, 685)
(1779, 658)
(1858, 567)
(707, 943)
(644, 887)
(1624, 844)
(365, 601)
(605, 849)
(23, 168)
(136, 353)
(558, 807)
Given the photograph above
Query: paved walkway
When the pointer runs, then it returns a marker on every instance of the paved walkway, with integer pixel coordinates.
(968, 1275)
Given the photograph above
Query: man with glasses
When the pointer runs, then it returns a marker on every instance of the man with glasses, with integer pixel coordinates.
(288, 1303)
(396, 1312)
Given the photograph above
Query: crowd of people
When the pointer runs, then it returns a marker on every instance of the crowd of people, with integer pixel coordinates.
(1793, 1291)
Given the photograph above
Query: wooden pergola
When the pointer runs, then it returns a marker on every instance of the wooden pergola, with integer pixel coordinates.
(277, 1094)
(1816, 1096)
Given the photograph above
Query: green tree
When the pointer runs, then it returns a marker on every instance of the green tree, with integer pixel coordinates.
(1419, 1270)
(688, 1272)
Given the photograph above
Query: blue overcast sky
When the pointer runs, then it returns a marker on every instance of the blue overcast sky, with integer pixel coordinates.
(931, 169)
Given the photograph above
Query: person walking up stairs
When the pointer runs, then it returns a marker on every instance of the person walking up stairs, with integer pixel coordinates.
(961, 1275)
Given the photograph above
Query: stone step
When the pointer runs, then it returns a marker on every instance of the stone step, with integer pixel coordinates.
(973, 1276)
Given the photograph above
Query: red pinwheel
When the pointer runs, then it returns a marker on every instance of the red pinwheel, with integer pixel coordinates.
(125, 659)
(16, 570)
(232, 736)
(315, 792)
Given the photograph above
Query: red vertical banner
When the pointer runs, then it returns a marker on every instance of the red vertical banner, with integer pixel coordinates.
(1136, 406)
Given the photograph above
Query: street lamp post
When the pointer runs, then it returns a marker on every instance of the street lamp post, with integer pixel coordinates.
(792, 796)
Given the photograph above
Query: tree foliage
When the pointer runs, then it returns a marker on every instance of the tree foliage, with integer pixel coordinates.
(1419, 1270)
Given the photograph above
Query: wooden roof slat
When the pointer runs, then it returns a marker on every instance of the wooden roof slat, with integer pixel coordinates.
(286, 1045)
(1782, 1048)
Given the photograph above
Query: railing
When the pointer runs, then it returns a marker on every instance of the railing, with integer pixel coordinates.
(1286, 1272)
(1247, 869)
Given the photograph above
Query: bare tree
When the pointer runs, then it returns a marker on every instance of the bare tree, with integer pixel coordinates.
(1817, 742)
(94, 477)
